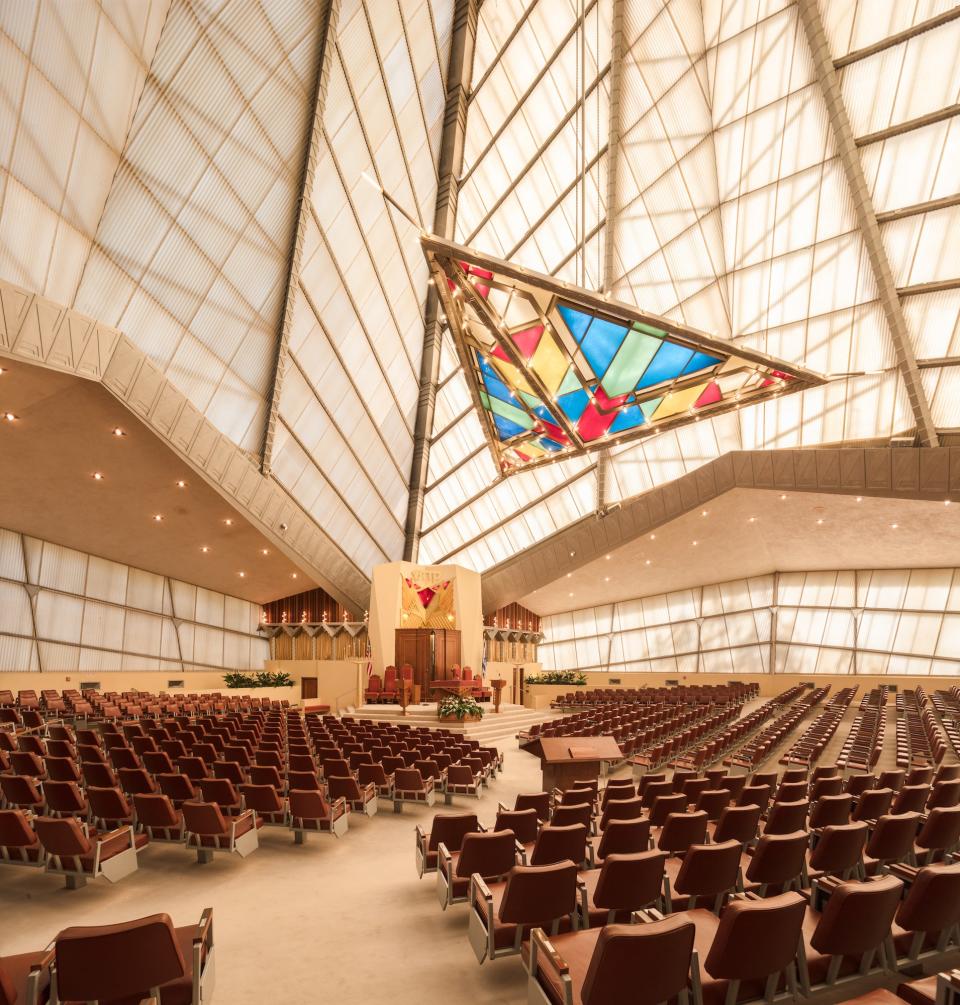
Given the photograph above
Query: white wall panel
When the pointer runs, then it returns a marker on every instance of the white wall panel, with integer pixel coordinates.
(127, 619)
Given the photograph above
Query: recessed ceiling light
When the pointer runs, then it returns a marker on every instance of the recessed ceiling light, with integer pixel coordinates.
(241, 574)
(2, 370)
(783, 495)
(228, 522)
(653, 537)
(752, 519)
(117, 431)
(569, 574)
(569, 594)
(894, 526)
(648, 561)
(606, 579)
(820, 521)
(607, 557)
(572, 553)
(293, 575)
(695, 543)
(264, 551)
(98, 476)
(946, 502)
(181, 484)
(10, 417)
(704, 512)
(157, 517)
(204, 548)
(859, 498)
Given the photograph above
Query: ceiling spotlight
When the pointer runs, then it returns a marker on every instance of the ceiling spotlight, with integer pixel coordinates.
(98, 476)
(117, 431)
(606, 579)
(181, 484)
(820, 521)
(241, 574)
(703, 512)
(752, 519)
(648, 561)
(653, 537)
(10, 417)
(695, 543)
(293, 575)
(569, 594)
(569, 574)
(157, 517)
(228, 522)
(783, 495)
(2, 371)
(607, 557)
(946, 502)
(572, 553)
(859, 498)
(204, 548)
(894, 526)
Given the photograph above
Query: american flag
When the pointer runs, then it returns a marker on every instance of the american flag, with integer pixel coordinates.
(483, 664)
(369, 655)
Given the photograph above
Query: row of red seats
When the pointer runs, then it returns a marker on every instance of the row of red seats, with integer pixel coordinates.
(687, 694)
(947, 704)
(810, 745)
(864, 743)
(919, 739)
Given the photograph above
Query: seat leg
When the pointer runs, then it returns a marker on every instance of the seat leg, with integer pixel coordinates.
(204, 856)
(75, 882)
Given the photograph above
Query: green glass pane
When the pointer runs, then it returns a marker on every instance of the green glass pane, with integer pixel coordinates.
(649, 407)
(531, 399)
(511, 412)
(570, 383)
(649, 329)
(485, 400)
(629, 363)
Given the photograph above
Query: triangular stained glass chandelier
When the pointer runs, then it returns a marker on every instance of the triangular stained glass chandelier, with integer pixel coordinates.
(556, 370)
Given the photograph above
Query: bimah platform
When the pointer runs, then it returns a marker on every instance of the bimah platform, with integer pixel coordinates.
(569, 759)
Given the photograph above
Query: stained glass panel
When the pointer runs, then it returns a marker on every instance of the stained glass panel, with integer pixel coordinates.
(559, 370)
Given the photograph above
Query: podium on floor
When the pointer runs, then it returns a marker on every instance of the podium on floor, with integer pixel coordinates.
(569, 759)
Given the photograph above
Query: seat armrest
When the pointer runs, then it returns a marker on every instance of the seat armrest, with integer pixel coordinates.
(204, 931)
(338, 807)
(444, 859)
(521, 851)
(247, 817)
(543, 947)
(115, 840)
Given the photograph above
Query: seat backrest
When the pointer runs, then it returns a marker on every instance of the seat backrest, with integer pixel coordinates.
(63, 836)
(525, 824)
(831, 785)
(624, 837)
(451, 829)
(933, 902)
(578, 813)
(491, 854)
(155, 810)
(640, 964)
(622, 809)
(831, 810)
(892, 839)
(15, 830)
(556, 844)
(204, 818)
(538, 894)
(260, 798)
(839, 848)
(738, 823)
(756, 938)
(787, 817)
(778, 858)
(857, 917)
(941, 830)
(105, 962)
(308, 804)
(630, 882)
(709, 869)
(791, 792)
(681, 830)
(755, 795)
(945, 793)
(664, 806)
(872, 804)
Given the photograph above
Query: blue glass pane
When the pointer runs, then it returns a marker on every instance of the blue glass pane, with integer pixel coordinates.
(506, 428)
(701, 361)
(667, 364)
(601, 344)
(549, 444)
(485, 368)
(627, 419)
(573, 404)
(576, 321)
(542, 412)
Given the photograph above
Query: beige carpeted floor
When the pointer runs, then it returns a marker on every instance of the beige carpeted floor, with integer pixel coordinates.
(344, 921)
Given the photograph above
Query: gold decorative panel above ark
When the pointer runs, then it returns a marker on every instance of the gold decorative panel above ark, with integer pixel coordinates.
(427, 601)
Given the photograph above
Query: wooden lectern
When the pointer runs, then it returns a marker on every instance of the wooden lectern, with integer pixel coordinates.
(569, 759)
(497, 684)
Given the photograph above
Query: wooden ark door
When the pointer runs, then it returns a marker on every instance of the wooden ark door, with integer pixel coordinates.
(308, 687)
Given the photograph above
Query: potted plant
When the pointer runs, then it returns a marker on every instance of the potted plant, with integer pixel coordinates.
(576, 678)
(460, 707)
(263, 679)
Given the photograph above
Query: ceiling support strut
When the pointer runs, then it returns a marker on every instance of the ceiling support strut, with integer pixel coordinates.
(867, 219)
(459, 76)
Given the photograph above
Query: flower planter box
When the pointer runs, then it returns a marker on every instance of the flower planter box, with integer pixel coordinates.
(454, 719)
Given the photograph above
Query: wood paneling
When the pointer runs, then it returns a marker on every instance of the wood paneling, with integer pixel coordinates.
(514, 616)
(431, 652)
(316, 604)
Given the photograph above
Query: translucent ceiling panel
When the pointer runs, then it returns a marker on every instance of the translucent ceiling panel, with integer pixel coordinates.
(193, 247)
(73, 73)
(348, 402)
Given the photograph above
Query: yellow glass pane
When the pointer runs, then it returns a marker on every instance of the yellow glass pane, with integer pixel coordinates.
(679, 401)
(549, 363)
(512, 376)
